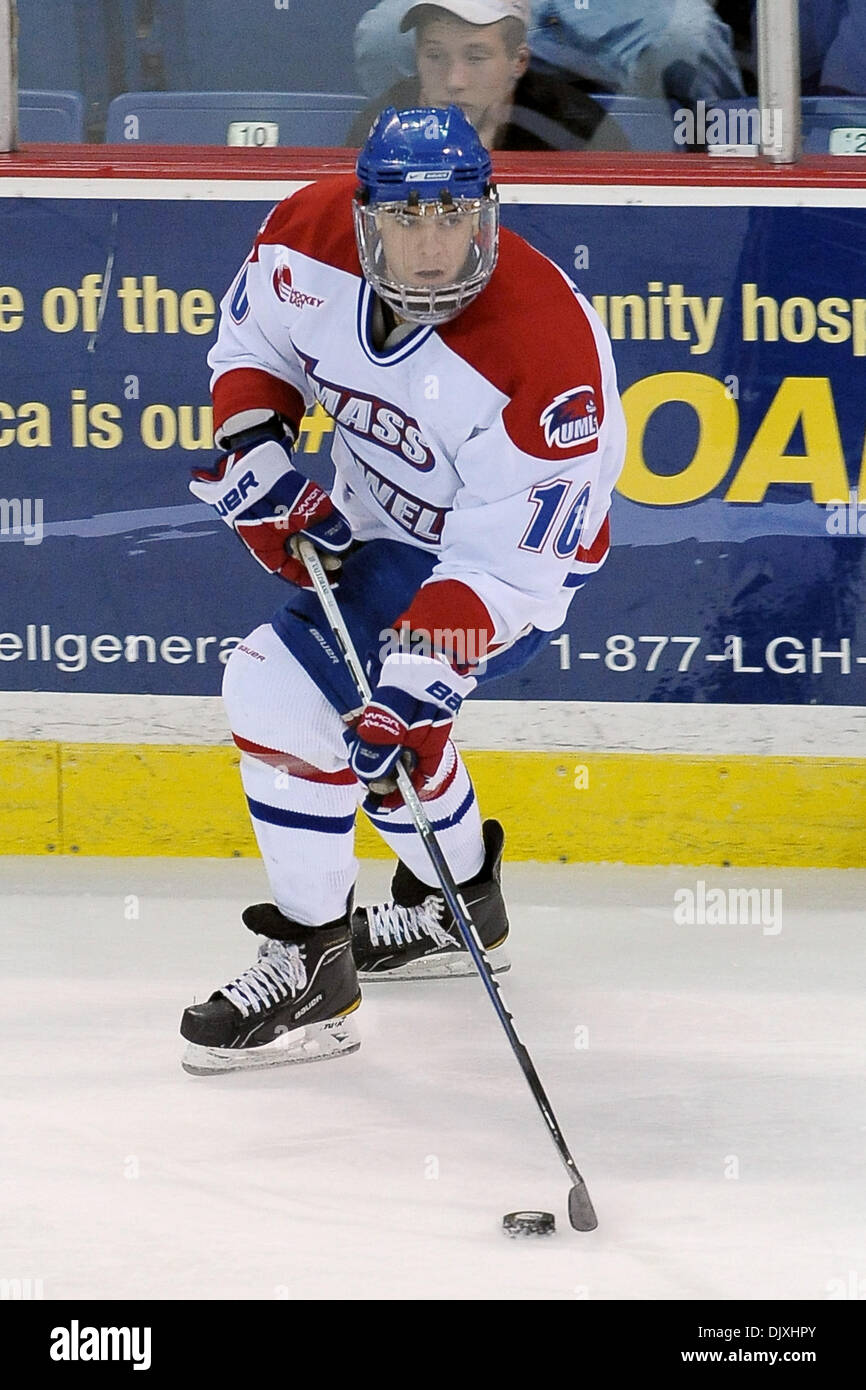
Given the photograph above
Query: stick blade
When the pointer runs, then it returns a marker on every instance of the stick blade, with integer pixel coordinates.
(581, 1212)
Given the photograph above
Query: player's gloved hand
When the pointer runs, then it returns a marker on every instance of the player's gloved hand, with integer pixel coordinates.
(409, 716)
(267, 502)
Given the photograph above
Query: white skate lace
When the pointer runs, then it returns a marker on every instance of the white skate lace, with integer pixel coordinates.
(278, 972)
(391, 925)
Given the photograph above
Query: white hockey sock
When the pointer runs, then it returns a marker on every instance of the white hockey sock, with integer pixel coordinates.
(306, 833)
(455, 818)
(302, 801)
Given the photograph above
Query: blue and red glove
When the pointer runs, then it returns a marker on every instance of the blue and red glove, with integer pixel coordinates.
(408, 716)
(266, 502)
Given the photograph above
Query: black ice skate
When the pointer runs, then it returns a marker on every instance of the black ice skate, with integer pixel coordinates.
(415, 937)
(293, 1005)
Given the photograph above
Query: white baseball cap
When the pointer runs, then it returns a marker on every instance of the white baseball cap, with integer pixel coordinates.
(473, 11)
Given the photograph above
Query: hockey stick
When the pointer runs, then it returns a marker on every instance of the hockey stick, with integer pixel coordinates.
(580, 1208)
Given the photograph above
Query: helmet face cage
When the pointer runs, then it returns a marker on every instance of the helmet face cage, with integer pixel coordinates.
(473, 222)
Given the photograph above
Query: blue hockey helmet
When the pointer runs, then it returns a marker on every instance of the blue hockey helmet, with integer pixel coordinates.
(426, 212)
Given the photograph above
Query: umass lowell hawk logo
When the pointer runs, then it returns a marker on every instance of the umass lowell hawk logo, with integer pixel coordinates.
(570, 419)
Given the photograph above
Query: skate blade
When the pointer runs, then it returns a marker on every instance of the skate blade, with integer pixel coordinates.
(447, 966)
(336, 1037)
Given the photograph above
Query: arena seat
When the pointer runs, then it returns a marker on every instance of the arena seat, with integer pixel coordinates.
(238, 118)
(257, 46)
(63, 47)
(50, 118)
(647, 123)
(50, 44)
(823, 115)
(103, 48)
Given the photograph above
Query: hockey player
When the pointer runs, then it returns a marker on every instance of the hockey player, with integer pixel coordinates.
(478, 435)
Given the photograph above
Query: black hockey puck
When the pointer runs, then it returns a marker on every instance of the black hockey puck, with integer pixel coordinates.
(529, 1223)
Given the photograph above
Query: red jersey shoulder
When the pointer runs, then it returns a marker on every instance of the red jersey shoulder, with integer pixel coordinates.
(317, 221)
(528, 334)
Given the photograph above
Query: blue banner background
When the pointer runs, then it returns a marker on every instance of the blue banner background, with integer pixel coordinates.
(126, 549)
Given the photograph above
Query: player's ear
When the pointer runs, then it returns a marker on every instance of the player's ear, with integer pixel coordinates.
(521, 61)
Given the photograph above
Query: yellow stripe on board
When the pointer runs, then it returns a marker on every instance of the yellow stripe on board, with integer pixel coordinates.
(636, 808)
(30, 798)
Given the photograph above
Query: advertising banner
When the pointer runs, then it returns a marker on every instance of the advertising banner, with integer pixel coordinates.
(737, 572)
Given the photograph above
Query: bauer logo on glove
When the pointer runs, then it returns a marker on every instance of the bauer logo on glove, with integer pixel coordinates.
(268, 503)
(231, 500)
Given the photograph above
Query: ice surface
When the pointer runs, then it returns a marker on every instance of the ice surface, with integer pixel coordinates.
(708, 1080)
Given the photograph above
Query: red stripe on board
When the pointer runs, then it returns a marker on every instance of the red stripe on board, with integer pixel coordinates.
(633, 167)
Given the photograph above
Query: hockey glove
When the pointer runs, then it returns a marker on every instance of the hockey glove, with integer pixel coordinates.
(409, 717)
(266, 502)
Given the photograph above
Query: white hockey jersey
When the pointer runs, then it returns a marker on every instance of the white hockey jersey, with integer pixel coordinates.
(492, 442)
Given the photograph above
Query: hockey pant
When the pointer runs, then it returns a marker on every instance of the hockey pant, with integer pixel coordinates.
(288, 695)
(303, 798)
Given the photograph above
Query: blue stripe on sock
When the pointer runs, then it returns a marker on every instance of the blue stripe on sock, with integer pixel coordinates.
(444, 824)
(300, 820)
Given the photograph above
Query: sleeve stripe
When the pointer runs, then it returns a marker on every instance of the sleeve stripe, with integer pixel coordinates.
(455, 612)
(250, 388)
(595, 553)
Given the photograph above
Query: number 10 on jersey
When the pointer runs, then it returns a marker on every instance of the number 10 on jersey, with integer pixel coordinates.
(548, 500)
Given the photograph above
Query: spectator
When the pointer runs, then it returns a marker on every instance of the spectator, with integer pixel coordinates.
(832, 44)
(737, 14)
(833, 47)
(674, 48)
(473, 53)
